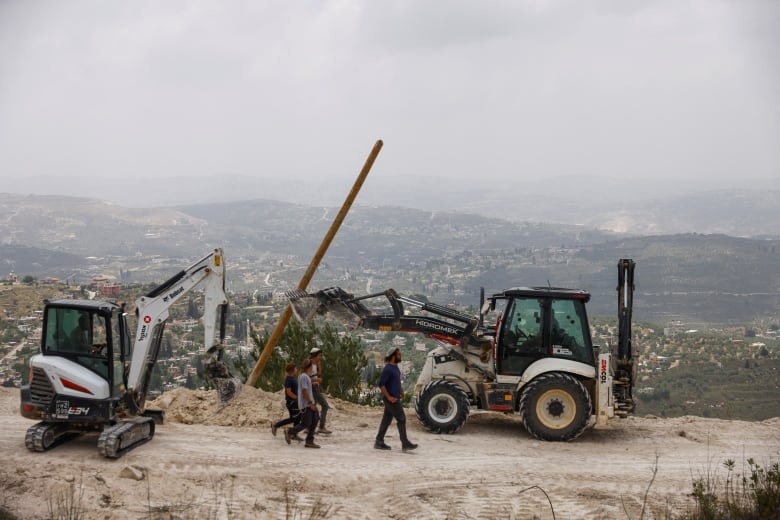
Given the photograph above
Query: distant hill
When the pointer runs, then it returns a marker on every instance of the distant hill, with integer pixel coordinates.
(35, 260)
(697, 278)
(89, 227)
(692, 278)
(377, 232)
(740, 206)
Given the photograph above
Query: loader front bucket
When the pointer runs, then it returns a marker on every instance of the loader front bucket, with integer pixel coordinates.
(333, 302)
(305, 306)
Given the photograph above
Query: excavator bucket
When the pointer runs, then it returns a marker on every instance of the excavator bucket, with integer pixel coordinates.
(228, 387)
(335, 302)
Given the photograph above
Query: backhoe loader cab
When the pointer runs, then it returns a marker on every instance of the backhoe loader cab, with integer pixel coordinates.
(537, 323)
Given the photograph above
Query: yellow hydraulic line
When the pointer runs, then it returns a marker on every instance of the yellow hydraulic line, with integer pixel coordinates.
(315, 262)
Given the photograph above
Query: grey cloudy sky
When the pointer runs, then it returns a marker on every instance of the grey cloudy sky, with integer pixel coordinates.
(459, 89)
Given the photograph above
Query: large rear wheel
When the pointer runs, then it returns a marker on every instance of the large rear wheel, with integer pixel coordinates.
(442, 406)
(555, 407)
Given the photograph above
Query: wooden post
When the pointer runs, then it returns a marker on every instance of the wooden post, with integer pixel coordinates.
(315, 262)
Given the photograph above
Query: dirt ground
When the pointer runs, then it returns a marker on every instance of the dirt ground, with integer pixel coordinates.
(210, 463)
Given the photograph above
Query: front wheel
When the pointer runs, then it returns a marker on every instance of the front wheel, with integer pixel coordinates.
(442, 407)
(555, 407)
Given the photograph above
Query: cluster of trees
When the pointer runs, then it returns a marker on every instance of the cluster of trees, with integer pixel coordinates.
(731, 388)
(346, 372)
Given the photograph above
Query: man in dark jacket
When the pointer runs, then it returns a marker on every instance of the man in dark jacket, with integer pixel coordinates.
(392, 396)
(290, 400)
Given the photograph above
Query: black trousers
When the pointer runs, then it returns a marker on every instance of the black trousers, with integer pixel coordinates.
(295, 415)
(393, 411)
(319, 398)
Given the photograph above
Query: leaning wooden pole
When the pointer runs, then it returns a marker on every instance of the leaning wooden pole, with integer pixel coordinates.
(313, 265)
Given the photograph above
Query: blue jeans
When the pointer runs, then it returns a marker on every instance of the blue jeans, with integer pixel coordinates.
(309, 420)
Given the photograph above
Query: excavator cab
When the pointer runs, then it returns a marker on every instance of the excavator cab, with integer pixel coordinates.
(77, 333)
(86, 334)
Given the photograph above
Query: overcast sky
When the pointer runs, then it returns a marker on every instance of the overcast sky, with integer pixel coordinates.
(458, 89)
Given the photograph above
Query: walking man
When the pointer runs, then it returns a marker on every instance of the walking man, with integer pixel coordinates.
(290, 399)
(309, 415)
(316, 379)
(392, 395)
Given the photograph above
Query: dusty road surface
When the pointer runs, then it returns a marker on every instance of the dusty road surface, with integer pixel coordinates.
(209, 463)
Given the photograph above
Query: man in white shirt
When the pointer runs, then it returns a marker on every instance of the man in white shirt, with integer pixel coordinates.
(315, 355)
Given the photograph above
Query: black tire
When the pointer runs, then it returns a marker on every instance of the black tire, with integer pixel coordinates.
(555, 407)
(442, 407)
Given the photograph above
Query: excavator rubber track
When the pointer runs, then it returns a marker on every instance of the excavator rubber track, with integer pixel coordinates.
(124, 436)
(43, 436)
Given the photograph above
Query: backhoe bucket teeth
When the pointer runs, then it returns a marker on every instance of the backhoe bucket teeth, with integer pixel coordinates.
(336, 304)
(304, 306)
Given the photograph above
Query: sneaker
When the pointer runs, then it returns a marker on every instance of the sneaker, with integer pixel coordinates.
(381, 446)
(311, 445)
(409, 446)
(273, 430)
(287, 435)
(324, 431)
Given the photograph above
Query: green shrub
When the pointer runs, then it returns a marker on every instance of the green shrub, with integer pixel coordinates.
(753, 495)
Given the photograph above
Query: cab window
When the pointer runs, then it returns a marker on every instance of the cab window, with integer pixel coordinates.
(569, 333)
(78, 335)
(521, 338)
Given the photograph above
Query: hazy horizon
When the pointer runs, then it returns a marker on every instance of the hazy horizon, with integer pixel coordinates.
(380, 188)
(497, 93)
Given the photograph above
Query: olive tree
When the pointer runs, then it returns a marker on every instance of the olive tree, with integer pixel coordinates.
(343, 358)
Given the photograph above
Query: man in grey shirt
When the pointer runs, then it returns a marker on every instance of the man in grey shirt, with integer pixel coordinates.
(309, 414)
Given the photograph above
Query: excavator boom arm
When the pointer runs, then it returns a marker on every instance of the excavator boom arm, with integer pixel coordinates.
(153, 309)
